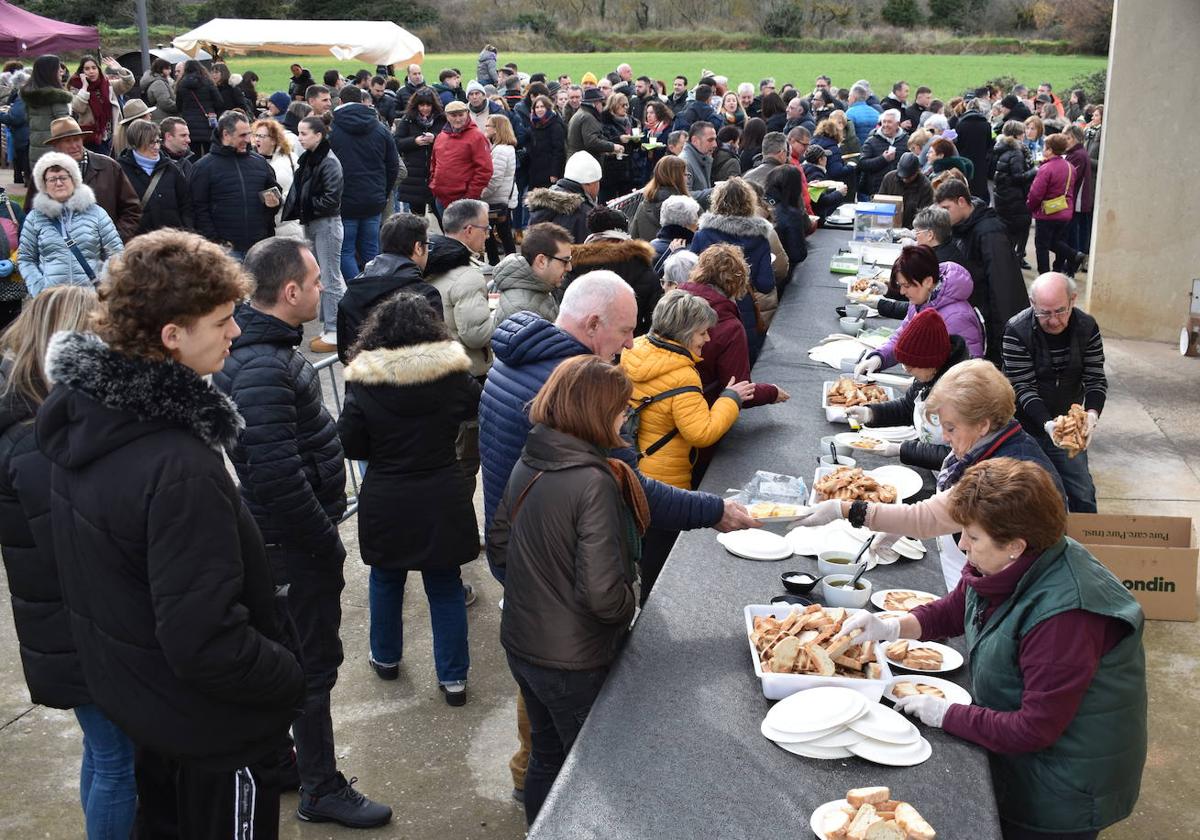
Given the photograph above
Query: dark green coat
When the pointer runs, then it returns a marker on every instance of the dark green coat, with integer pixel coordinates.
(43, 106)
(1090, 777)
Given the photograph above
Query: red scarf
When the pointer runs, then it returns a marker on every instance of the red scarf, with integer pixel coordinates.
(100, 103)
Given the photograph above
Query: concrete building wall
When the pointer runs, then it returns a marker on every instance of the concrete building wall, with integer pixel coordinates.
(1146, 230)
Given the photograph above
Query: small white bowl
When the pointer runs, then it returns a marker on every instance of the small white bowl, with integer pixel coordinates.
(837, 596)
(842, 461)
(840, 448)
(850, 326)
(827, 566)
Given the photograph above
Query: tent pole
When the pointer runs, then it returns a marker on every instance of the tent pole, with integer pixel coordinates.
(143, 33)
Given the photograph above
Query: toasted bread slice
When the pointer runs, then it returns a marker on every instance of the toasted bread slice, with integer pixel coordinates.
(905, 689)
(848, 663)
(862, 821)
(885, 830)
(868, 795)
(835, 824)
(897, 650)
(842, 643)
(824, 665)
(913, 823)
(785, 655)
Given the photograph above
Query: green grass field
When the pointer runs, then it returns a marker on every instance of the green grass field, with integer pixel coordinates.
(948, 75)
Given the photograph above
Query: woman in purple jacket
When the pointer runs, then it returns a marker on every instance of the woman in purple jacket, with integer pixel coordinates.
(1055, 178)
(926, 283)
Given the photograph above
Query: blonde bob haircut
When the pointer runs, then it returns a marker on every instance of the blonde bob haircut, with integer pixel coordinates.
(582, 398)
(502, 125)
(977, 391)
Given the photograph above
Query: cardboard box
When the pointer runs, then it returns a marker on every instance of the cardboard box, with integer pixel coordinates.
(1154, 556)
(896, 201)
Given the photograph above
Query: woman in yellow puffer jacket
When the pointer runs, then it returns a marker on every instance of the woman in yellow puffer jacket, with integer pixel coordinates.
(672, 428)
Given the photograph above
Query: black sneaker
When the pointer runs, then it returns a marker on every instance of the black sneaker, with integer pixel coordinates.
(344, 806)
(384, 672)
(456, 692)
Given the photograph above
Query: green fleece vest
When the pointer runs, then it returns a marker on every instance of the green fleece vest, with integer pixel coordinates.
(1090, 777)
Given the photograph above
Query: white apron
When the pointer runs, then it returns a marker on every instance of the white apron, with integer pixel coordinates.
(953, 560)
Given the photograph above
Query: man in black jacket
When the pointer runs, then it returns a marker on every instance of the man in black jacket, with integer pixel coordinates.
(370, 167)
(164, 575)
(293, 477)
(975, 142)
(404, 250)
(999, 292)
(234, 191)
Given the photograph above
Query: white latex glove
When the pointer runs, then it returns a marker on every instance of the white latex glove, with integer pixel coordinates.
(930, 710)
(1049, 427)
(868, 365)
(821, 514)
(1093, 418)
(874, 628)
(861, 413)
(882, 547)
(889, 450)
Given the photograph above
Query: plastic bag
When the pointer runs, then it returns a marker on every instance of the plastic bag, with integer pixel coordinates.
(773, 487)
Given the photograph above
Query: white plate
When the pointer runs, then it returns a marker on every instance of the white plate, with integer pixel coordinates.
(952, 660)
(897, 380)
(810, 751)
(893, 755)
(818, 816)
(909, 548)
(895, 434)
(851, 438)
(816, 709)
(772, 734)
(801, 512)
(838, 535)
(840, 738)
(879, 594)
(954, 693)
(837, 413)
(907, 481)
(884, 724)
(755, 544)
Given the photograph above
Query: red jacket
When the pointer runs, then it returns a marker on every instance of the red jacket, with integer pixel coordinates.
(728, 351)
(461, 164)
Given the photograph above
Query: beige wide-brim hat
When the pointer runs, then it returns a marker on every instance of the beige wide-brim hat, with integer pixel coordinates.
(63, 128)
(134, 109)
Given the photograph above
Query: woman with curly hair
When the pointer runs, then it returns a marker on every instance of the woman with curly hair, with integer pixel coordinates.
(408, 389)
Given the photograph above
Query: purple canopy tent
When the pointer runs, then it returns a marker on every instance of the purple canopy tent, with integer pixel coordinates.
(23, 33)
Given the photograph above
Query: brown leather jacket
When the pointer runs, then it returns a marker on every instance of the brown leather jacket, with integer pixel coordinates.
(568, 590)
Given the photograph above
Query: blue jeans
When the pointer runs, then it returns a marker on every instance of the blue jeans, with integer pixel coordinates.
(360, 236)
(325, 237)
(1076, 478)
(557, 702)
(107, 789)
(447, 615)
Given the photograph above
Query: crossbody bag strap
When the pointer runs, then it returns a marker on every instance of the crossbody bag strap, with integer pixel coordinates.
(521, 498)
(80, 258)
(669, 436)
(150, 189)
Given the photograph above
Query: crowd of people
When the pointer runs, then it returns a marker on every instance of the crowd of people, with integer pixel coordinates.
(561, 288)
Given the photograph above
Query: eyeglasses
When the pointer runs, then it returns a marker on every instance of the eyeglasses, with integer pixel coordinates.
(262, 136)
(485, 228)
(1045, 315)
(563, 260)
(58, 179)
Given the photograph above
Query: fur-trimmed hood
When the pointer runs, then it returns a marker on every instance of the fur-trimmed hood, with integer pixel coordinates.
(80, 200)
(746, 226)
(559, 202)
(154, 392)
(45, 97)
(608, 251)
(416, 364)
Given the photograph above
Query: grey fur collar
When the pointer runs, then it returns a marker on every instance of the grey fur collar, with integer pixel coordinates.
(80, 200)
(166, 392)
(412, 365)
(737, 225)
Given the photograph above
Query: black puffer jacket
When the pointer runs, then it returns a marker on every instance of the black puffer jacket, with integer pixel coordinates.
(288, 457)
(988, 254)
(1014, 173)
(568, 578)
(48, 655)
(382, 277)
(171, 203)
(547, 151)
(197, 97)
(163, 571)
(414, 186)
(974, 142)
(370, 162)
(565, 204)
(226, 204)
(233, 99)
(403, 410)
(899, 412)
(316, 192)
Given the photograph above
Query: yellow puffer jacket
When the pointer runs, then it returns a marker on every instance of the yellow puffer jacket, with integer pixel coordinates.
(655, 368)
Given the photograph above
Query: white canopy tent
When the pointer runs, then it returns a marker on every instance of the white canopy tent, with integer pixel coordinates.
(368, 41)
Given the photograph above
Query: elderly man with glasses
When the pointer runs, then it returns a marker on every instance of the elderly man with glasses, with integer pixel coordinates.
(1054, 357)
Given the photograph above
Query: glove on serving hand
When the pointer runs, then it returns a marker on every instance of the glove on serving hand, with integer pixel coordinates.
(930, 710)
(820, 514)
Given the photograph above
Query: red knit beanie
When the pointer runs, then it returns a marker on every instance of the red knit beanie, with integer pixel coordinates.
(924, 342)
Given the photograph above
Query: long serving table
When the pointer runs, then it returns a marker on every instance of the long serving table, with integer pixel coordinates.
(672, 747)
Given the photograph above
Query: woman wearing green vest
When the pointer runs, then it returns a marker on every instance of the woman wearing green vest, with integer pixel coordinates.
(1057, 666)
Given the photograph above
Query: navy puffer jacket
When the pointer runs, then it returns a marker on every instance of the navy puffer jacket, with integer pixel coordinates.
(370, 162)
(288, 457)
(527, 349)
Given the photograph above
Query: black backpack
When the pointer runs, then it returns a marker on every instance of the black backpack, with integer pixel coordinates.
(633, 420)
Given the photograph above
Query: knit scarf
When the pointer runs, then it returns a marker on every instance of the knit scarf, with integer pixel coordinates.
(953, 467)
(100, 105)
(637, 510)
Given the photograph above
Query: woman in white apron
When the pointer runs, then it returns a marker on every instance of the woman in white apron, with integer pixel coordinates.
(973, 403)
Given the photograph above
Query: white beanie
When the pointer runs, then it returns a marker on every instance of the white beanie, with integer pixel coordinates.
(582, 168)
(474, 85)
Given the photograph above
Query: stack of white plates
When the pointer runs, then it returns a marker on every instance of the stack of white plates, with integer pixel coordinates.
(895, 434)
(755, 544)
(832, 723)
